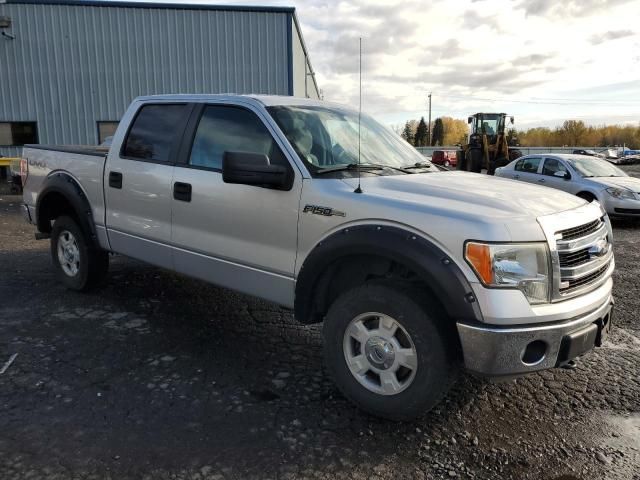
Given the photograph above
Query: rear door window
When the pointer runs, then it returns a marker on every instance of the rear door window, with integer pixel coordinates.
(528, 165)
(155, 132)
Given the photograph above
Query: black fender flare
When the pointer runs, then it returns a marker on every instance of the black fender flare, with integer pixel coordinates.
(433, 266)
(61, 183)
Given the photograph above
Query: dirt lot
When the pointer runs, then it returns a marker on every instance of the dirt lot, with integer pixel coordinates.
(160, 376)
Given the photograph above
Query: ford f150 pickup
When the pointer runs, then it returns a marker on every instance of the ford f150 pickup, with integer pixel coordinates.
(413, 271)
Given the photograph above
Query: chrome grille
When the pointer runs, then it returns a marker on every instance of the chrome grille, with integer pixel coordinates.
(574, 259)
(580, 231)
(584, 256)
(586, 280)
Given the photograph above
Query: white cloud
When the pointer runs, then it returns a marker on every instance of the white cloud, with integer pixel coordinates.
(492, 55)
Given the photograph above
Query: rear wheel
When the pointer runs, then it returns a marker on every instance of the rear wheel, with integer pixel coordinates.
(78, 264)
(386, 352)
(474, 161)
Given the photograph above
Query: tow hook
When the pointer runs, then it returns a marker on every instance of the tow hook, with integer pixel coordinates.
(569, 365)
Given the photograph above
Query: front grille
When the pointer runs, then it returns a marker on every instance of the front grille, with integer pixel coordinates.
(581, 231)
(586, 280)
(584, 256)
(574, 259)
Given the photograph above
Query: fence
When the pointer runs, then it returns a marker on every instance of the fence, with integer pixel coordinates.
(428, 151)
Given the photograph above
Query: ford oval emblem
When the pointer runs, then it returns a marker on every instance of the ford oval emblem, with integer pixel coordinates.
(600, 249)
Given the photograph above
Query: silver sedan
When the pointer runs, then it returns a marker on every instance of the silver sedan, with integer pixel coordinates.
(587, 177)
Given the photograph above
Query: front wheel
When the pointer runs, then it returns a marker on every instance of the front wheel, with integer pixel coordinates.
(387, 350)
(78, 264)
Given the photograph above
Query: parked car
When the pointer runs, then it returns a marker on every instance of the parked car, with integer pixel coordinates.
(413, 271)
(590, 153)
(447, 158)
(587, 177)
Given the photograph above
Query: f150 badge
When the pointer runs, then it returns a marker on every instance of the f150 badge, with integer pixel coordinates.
(326, 211)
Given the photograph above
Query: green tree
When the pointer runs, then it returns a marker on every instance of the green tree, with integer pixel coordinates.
(407, 133)
(437, 137)
(420, 139)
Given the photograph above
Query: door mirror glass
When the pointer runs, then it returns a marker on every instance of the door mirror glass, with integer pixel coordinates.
(253, 169)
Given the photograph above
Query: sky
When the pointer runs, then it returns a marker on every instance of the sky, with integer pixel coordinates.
(543, 61)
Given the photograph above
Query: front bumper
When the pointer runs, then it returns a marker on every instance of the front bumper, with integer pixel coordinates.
(495, 350)
(620, 207)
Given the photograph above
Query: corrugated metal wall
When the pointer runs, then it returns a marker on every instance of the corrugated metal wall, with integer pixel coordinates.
(71, 66)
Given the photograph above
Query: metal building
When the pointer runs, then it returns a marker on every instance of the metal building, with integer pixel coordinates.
(69, 68)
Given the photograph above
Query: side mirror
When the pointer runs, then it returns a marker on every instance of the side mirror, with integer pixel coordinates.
(512, 120)
(469, 120)
(253, 169)
(565, 175)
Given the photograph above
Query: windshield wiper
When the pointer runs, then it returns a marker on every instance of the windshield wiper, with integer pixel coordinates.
(418, 165)
(362, 166)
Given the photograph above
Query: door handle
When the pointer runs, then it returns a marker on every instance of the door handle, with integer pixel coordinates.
(182, 191)
(115, 179)
(515, 177)
(542, 180)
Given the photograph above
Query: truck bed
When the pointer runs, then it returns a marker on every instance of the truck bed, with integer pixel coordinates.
(84, 163)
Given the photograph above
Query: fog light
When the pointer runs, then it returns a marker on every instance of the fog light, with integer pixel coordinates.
(534, 353)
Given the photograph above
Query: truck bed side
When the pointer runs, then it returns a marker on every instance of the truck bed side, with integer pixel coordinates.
(83, 164)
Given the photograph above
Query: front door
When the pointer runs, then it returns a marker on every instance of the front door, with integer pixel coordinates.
(241, 236)
(553, 172)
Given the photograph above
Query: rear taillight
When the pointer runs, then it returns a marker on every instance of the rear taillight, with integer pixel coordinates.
(24, 170)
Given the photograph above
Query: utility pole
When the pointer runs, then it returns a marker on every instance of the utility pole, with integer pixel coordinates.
(429, 128)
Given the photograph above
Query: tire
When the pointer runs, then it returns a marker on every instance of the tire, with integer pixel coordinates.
(514, 154)
(497, 163)
(586, 196)
(78, 264)
(418, 334)
(474, 163)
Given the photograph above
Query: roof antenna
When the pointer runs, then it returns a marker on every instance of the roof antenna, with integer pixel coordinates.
(359, 190)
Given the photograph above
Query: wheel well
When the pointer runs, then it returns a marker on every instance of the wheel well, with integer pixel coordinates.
(349, 272)
(53, 205)
(588, 196)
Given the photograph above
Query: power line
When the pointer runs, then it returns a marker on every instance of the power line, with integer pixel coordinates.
(533, 101)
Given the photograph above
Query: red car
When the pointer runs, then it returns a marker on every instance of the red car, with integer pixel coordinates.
(444, 157)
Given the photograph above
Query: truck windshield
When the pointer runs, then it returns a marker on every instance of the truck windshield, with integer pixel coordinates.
(594, 167)
(327, 138)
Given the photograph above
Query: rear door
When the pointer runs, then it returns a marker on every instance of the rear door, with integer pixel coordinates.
(526, 169)
(137, 183)
(240, 236)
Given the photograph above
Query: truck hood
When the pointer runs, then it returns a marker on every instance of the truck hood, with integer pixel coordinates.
(631, 183)
(482, 195)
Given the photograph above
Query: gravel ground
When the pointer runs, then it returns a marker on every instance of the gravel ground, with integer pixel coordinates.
(159, 376)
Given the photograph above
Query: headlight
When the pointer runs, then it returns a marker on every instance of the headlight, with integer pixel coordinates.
(524, 266)
(621, 193)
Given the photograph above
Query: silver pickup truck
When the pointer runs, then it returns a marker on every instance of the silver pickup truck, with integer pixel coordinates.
(415, 272)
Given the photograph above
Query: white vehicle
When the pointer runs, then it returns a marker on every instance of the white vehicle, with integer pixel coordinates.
(588, 177)
(414, 272)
